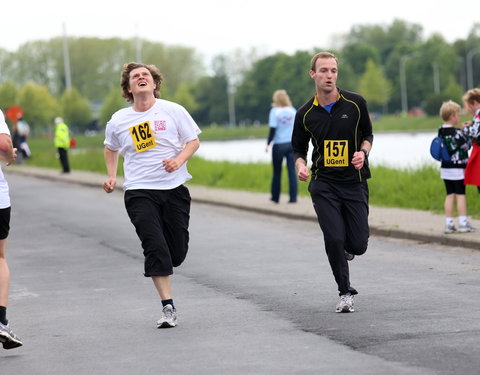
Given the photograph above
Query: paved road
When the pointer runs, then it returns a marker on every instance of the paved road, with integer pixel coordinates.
(255, 296)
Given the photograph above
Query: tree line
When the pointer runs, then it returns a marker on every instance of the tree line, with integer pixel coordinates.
(393, 66)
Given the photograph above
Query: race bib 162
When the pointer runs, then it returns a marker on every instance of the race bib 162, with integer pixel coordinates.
(142, 136)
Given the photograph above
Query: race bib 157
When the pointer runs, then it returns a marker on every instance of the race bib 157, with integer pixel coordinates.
(142, 136)
(335, 153)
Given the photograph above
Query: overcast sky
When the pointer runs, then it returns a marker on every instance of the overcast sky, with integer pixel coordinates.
(221, 26)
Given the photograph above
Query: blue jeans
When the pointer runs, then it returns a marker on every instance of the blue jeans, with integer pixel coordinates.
(280, 151)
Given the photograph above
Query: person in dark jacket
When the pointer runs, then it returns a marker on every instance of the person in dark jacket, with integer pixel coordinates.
(452, 171)
(337, 124)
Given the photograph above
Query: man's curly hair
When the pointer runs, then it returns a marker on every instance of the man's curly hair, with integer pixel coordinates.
(125, 78)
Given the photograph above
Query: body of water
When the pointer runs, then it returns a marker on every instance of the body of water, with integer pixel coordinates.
(395, 150)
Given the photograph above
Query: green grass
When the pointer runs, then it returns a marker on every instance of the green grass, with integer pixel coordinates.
(388, 123)
(411, 188)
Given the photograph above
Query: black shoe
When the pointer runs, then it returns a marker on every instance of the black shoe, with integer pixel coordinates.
(349, 256)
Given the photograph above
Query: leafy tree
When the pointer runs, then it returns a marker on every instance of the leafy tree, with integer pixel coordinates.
(8, 95)
(37, 62)
(358, 54)
(176, 63)
(184, 96)
(112, 103)
(94, 64)
(211, 95)
(374, 86)
(386, 38)
(76, 110)
(39, 105)
(279, 71)
(452, 91)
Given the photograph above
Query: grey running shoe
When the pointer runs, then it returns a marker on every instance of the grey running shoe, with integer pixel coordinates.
(8, 338)
(466, 228)
(169, 317)
(349, 256)
(346, 304)
(450, 228)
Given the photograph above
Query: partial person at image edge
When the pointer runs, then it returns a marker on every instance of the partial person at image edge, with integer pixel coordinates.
(471, 101)
(7, 154)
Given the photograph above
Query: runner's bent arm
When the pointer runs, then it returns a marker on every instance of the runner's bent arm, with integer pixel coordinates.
(172, 164)
(303, 171)
(7, 152)
(359, 157)
(111, 161)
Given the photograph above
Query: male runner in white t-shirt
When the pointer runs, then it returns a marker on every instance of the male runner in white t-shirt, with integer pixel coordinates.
(7, 155)
(156, 138)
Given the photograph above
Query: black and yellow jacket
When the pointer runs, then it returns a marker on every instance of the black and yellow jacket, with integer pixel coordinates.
(335, 136)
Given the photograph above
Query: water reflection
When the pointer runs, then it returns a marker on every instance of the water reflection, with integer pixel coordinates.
(395, 150)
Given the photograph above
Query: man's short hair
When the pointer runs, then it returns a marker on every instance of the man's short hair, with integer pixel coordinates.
(322, 55)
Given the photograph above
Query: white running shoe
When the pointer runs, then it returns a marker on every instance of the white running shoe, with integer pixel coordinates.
(466, 228)
(169, 317)
(8, 338)
(450, 228)
(346, 304)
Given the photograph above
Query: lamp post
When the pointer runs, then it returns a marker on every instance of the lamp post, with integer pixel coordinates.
(470, 55)
(66, 59)
(403, 80)
(138, 46)
(231, 104)
(436, 78)
(463, 73)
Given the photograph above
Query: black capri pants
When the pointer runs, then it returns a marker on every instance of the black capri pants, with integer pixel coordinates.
(4, 222)
(161, 219)
(342, 212)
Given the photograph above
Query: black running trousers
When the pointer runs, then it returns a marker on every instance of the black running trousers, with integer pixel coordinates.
(161, 219)
(342, 212)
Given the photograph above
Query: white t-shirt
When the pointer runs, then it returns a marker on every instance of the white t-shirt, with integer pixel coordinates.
(145, 139)
(4, 193)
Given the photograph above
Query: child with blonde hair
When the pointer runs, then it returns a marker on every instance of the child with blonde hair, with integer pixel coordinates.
(453, 171)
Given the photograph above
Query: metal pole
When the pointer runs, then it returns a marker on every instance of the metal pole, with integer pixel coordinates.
(463, 74)
(403, 85)
(138, 46)
(403, 81)
(436, 78)
(470, 55)
(66, 59)
(231, 104)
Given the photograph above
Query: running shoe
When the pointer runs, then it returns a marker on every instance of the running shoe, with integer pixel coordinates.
(349, 256)
(8, 339)
(346, 304)
(450, 228)
(169, 317)
(466, 228)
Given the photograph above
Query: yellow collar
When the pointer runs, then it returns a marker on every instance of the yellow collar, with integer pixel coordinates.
(315, 100)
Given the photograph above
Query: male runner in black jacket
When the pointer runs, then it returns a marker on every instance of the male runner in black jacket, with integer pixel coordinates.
(338, 125)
